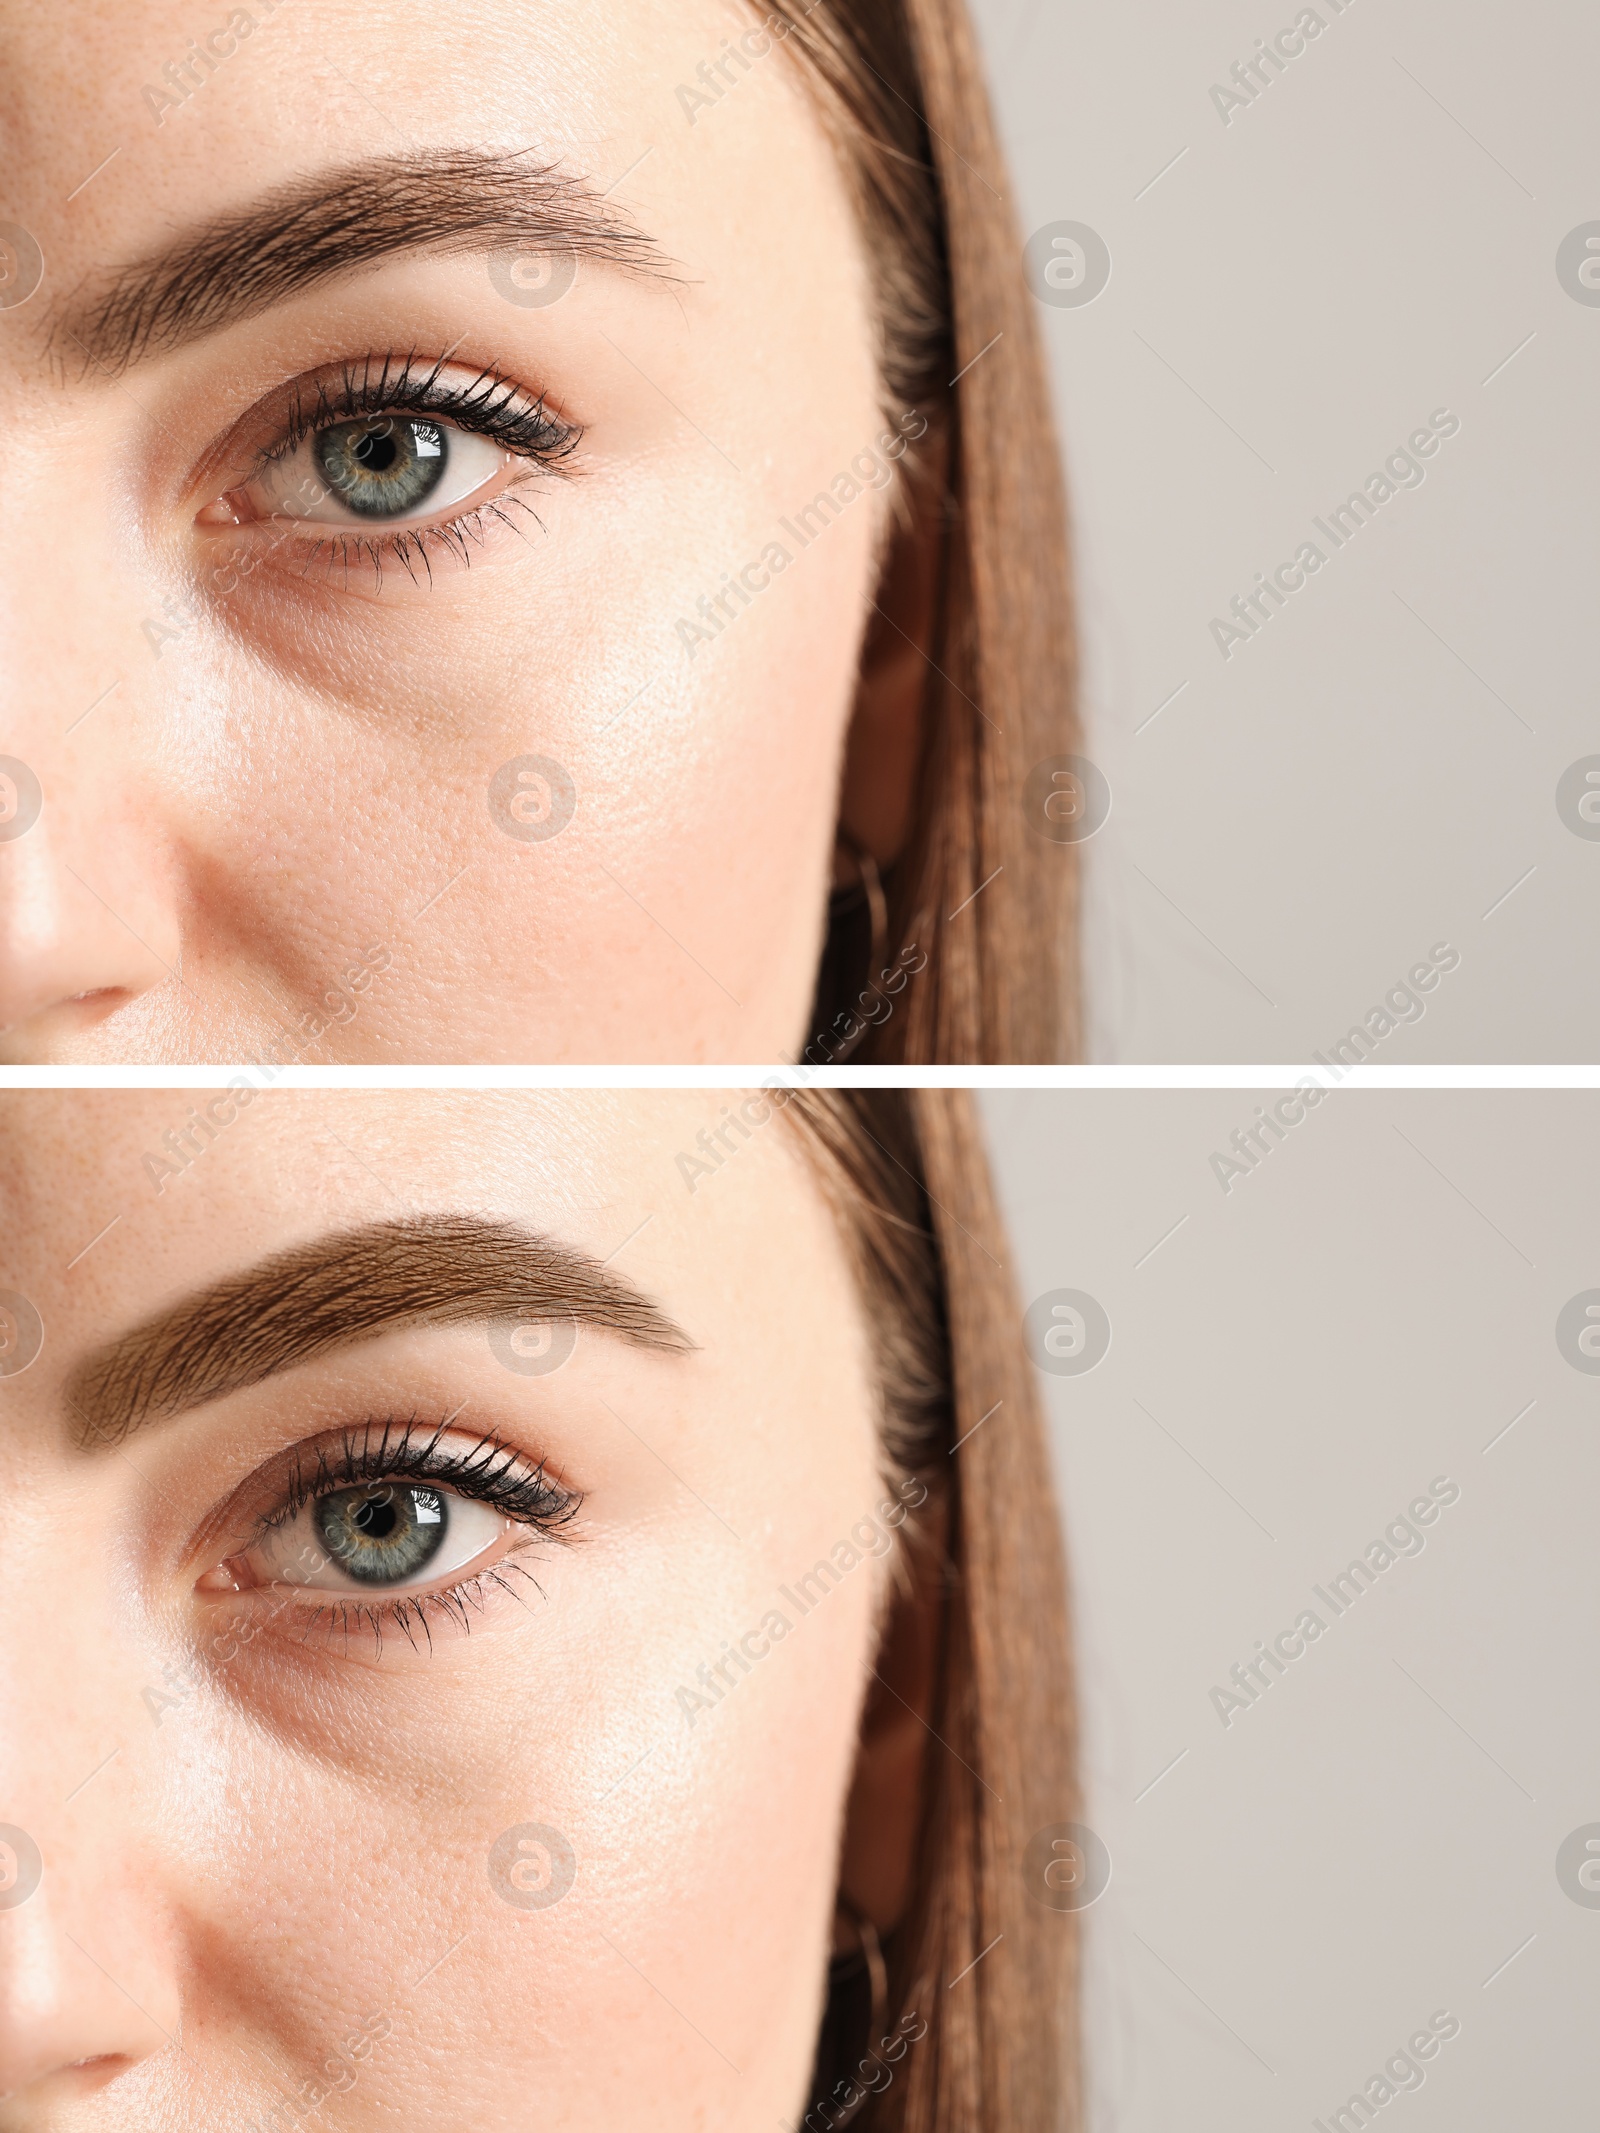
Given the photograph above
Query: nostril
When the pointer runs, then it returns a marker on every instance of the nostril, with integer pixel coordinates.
(73, 1012)
(87, 2077)
(79, 2077)
(99, 1001)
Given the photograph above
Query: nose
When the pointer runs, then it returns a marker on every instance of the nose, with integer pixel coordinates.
(88, 920)
(92, 1883)
(84, 1992)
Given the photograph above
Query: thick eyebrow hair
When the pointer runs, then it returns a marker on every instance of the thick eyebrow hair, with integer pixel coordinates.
(444, 201)
(429, 1270)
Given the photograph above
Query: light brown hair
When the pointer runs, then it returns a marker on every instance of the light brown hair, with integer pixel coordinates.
(907, 1174)
(991, 903)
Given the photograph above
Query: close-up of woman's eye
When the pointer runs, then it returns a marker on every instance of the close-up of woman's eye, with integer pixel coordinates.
(355, 455)
(396, 1509)
(388, 467)
(385, 1533)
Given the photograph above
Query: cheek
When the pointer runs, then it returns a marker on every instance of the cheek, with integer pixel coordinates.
(552, 794)
(384, 1847)
(720, 1853)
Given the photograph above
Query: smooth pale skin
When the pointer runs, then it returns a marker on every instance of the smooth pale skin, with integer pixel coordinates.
(299, 775)
(238, 1875)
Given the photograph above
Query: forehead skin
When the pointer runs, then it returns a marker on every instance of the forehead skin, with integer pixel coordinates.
(285, 785)
(297, 1841)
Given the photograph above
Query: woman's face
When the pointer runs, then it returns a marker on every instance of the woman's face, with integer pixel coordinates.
(444, 469)
(362, 1754)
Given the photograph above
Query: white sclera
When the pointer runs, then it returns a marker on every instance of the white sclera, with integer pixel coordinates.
(296, 487)
(295, 1553)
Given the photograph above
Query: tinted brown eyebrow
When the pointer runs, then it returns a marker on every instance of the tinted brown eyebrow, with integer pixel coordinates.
(431, 1270)
(443, 201)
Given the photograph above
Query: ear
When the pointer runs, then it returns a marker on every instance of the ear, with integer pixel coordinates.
(883, 753)
(878, 1859)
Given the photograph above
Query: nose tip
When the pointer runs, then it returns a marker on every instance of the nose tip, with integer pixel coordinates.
(73, 2015)
(85, 925)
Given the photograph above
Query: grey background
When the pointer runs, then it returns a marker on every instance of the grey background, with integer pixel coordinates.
(1369, 241)
(1300, 1358)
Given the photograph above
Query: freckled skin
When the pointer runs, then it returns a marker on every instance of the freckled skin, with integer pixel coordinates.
(279, 780)
(267, 1849)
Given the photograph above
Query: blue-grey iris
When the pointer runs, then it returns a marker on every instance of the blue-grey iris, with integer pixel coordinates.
(384, 1532)
(383, 465)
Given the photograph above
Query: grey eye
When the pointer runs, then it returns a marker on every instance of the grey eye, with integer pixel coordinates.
(379, 1533)
(379, 468)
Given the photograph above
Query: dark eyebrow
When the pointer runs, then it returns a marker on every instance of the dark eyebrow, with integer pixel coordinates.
(430, 1270)
(444, 201)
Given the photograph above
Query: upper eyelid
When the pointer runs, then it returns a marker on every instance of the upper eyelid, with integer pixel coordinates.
(279, 421)
(423, 392)
(419, 1458)
(318, 1466)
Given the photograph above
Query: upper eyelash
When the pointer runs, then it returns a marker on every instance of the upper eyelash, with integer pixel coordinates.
(490, 406)
(492, 1472)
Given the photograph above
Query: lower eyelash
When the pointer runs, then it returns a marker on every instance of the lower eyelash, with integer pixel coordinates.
(404, 543)
(411, 1611)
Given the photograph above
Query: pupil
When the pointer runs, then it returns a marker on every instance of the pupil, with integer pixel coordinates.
(377, 1517)
(377, 451)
